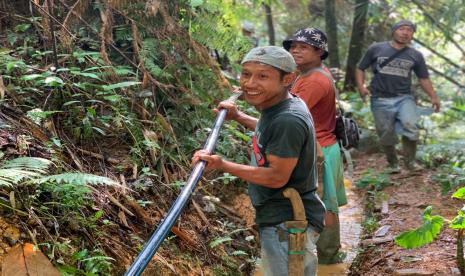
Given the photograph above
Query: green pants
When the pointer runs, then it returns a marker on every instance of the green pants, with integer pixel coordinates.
(334, 196)
(334, 193)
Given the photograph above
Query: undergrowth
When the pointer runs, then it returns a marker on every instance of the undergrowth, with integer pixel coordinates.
(143, 91)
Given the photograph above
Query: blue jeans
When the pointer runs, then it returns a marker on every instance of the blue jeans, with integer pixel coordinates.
(274, 252)
(395, 116)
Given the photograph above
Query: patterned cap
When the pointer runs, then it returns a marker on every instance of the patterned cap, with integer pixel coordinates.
(273, 56)
(310, 36)
(404, 22)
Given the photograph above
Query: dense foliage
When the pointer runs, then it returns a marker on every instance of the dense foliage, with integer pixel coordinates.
(127, 90)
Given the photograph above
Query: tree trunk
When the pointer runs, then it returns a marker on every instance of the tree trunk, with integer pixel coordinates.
(356, 42)
(331, 32)
(269, 23)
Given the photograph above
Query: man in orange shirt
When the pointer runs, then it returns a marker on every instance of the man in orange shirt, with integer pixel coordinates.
(315, 86)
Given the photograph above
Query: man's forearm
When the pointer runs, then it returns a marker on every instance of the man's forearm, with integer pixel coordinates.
(247, 120)
(427, 86)
(359, 79)
(263, 176)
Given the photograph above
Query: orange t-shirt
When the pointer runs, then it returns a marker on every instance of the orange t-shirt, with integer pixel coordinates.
(318, 93)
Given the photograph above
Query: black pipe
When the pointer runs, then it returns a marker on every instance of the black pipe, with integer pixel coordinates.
(159, 235)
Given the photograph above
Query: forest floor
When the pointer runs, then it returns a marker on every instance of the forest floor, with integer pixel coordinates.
(406, 198)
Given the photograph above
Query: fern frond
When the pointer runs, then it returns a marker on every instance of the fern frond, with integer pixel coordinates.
(77, 179)
(34, 164)
(10, 177)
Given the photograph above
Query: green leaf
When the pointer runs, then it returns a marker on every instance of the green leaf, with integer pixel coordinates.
(239, 253)
(113, 98)
(98, 214)
(54, 81)
(427, 212)
(41, 114)
(219, 241)
(9, 177)
(458, 222)
(71, 102)
(99, 130)
(21, 28)
(120, 85)
(424, 234)
(14, 64)
(88, 75)
(460, 193)
(96, 68)
(31, 77)
(62, 70)
(77, 179)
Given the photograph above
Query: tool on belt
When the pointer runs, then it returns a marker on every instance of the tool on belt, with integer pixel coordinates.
(296, 234)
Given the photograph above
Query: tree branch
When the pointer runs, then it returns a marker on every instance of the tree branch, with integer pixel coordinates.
(439, 26)
(440, 55)
(442, 74)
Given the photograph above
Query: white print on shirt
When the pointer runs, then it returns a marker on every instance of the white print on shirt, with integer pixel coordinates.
(396, 67)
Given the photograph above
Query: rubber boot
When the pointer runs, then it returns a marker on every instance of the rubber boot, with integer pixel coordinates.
(409, 149)
(391, 156)
(329, 243)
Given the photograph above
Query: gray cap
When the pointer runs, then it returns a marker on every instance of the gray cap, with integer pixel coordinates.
(403, 22)
(273, 56)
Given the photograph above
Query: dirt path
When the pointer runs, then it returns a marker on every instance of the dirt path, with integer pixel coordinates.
(351, 216)
(407, 199)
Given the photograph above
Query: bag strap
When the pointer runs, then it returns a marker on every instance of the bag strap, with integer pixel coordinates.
(389, 59)
(350, 163)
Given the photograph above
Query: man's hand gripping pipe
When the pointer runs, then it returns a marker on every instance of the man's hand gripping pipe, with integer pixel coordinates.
(174, 212)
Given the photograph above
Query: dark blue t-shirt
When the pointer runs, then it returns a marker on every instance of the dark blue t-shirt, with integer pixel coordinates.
(395, 78)
(286, 130)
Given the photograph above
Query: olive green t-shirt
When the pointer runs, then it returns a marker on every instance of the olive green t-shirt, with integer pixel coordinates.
(286, 130)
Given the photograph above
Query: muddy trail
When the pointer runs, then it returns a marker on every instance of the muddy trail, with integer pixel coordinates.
(397, 208)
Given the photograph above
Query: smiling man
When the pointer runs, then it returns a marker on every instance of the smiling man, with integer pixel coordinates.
(392, 102)
(284, 155)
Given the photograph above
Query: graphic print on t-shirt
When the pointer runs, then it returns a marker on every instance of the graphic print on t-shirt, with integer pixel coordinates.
(256, 151)
(396, 67)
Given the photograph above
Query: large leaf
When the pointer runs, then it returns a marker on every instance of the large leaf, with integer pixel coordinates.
(459, 221)
(460, 193)
(123, 84)
(424, 234)
(31, 77)
(88, 75)
(54, 81)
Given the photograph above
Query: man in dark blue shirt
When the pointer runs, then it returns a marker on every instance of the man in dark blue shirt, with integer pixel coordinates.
(392, 101)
